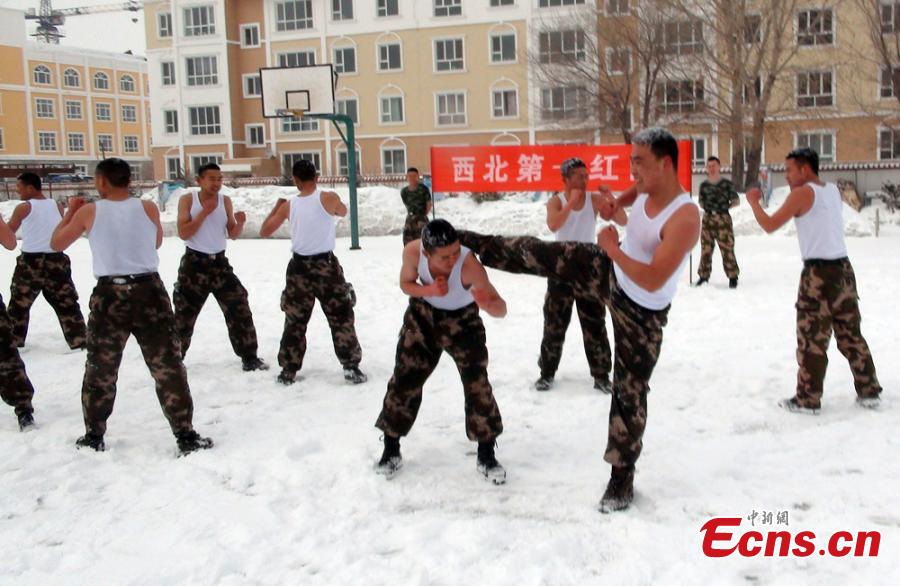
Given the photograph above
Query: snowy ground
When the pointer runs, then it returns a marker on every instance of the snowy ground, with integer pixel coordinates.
(288, 494)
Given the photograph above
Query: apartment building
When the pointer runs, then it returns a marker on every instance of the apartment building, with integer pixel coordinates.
(67, 106)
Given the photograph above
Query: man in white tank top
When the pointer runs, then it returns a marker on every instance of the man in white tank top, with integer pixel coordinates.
(827, 300)
(205, 221)
(640, 283)
(314, 273)
(572, 217)
(15, 388)
(446, 287)
(129, 299)
(39, 269)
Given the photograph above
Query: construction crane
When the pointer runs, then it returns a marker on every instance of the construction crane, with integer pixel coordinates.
(50, 19)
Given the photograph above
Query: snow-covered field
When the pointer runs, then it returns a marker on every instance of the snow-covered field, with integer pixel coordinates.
(288, 495)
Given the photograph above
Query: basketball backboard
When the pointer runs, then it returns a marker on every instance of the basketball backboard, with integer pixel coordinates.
(308, 89)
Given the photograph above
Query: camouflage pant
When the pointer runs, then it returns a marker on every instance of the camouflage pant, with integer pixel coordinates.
(828, 301)
(558, 304)
(15, 388)
(637, 331)
(50, 274)
(427, 332)
(118, 311)
(717, 228)
(412, 229)
(198, 276)
(308, 279)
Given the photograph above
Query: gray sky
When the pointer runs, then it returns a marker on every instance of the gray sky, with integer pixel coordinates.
(112, 31)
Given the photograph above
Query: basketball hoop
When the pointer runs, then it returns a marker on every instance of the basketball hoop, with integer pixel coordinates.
(294, 113)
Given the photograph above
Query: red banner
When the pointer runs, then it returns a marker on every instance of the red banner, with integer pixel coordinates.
(536, 168)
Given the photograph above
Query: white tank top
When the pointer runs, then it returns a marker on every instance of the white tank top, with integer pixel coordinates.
(457, 295)
(821, 229)
(123, 239)
(642, 237)
(312, 227)
(212, 235)
(38, 225)
(581, 225)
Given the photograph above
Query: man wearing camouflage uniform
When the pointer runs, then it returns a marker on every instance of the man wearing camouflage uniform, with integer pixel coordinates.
(130, 299)
(827, 300)
(572, 217)
(717, 197)
(417, 200)
(15, 388)
(39, 269)
(314, 273)
(639, 279)
(446, 286)
(205, 221)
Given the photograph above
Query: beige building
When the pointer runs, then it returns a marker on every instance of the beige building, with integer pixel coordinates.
(66, 106)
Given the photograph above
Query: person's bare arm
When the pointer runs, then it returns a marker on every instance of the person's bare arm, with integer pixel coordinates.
(605, 205)
(275, 218)
(7, 236)
(236, 221)
(557, 213)
(187, 225)
(798, 202)
(153, 213)
(20, 213)
(679, 236)
(333, 204)
(409, 275)
(78, 219)
(483, 291)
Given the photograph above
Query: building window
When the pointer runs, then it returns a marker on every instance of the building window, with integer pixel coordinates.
(752, 92)
(164, 25)
(752, 29)
(680, 96)
(198, 161)
(252, 85)
(618, 60)
(46, 141)
(103, 111)
(71, 78)
(73, 110)
(42, 75)
(293, 15)
(101, 81)
(389, 57)
(451, 109)
(350, 107)
(345, 60)
(168, 73)
(890, 17)
(76, 142)
(815, 89)
(890, 80)
(503, 48)
(297, 59)
(105, 142)
(821, 142)
(129, 113)
(341, 9)
(343, 162)
(683, 37)
(199, 21)
(391, 109)
(505, 103)
(550, 3)
(2, 144)
(495, 3)
(561, 103)
(448, 55)
(173, 168)
(202, 71)
(250, 36)
(126, 84)
(171, 121)
(288, 160)
(447, 7)
(561, 46)
(889, 145)
(388, 8)
(43, 108)
(130, 144)
(299, 125)
(815, 27)
(205, 120)
(698, 158)
(256, 135)
(393, 161)
(616, 7)
(618, 118)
